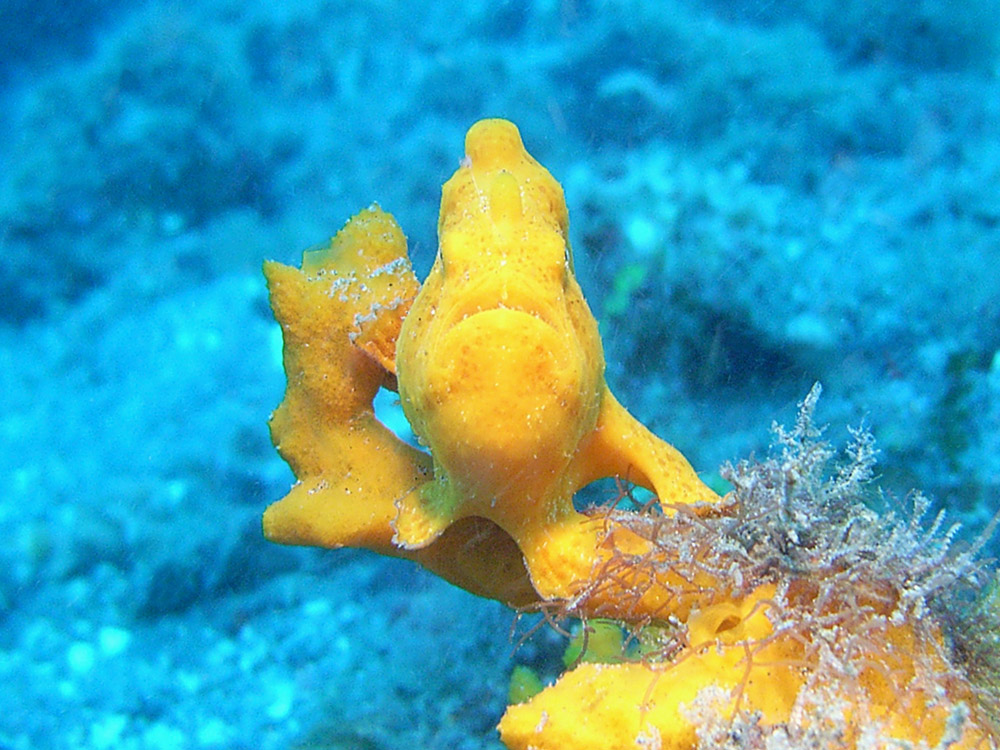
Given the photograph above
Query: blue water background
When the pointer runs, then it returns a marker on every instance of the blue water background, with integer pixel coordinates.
(762, 194)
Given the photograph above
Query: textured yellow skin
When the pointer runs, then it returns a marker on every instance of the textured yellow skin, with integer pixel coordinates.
(501, 374)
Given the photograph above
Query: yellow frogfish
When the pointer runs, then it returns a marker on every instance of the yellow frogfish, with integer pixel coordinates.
(500, 371)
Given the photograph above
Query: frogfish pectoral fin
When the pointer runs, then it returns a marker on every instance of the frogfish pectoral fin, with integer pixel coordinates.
(622, 446)
(420, 519)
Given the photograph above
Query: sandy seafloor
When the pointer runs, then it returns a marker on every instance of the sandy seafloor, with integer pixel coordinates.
(763, 193)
